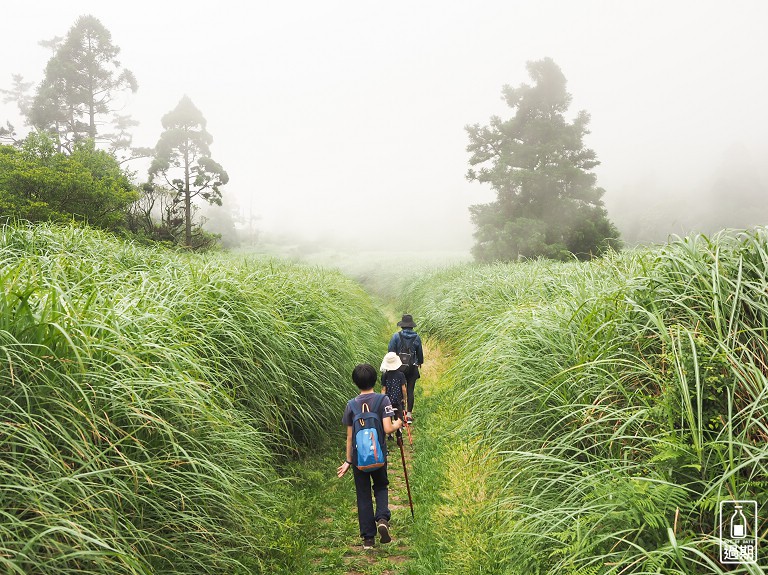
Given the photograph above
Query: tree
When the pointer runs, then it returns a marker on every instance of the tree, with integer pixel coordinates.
(38, 183)
(182, 159)
(547, 201)
(82, 80)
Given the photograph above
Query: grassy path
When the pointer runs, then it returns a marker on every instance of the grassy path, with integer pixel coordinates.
(451, 533)
(446, 476)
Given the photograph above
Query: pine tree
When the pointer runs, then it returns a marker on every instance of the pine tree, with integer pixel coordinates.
(182, 159)
(82, 80)
(547, 201)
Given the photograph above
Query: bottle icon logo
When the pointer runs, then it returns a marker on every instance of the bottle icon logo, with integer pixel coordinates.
(737, 522)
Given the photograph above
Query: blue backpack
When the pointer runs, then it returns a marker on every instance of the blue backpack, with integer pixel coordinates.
(367, 431)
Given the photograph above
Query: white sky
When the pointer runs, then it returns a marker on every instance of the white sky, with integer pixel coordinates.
(346, 118)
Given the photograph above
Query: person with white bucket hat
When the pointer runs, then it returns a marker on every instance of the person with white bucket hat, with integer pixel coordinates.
(393, 383)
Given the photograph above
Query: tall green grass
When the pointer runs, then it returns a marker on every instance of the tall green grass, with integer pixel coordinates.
(626, 398)
(145, 395)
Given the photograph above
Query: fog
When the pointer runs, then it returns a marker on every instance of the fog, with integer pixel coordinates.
(343, 122)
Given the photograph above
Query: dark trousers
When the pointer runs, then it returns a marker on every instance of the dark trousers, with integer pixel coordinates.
(411, 375)
(365, 514)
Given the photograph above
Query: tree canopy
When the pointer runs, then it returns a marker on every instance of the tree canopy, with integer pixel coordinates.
(547, 201)
(82, 80)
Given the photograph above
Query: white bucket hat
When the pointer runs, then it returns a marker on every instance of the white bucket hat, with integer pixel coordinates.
(391, 362)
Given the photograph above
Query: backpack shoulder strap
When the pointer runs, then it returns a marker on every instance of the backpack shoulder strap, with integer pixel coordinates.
(377, 402)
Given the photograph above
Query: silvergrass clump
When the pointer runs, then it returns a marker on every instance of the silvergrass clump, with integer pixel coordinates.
(624, 406)
(144, 394)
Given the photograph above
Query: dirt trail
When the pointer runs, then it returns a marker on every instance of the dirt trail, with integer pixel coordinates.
(326, 507)
(393, 558)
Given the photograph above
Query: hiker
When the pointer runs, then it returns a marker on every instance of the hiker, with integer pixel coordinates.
(407, 343)
(364, 376)
(393, 383)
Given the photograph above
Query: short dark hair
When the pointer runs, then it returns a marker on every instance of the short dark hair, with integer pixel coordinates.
(364, 376)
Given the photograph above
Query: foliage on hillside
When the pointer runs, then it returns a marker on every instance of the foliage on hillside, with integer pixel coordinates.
(145, 393)
(626, 398)
(40, 184)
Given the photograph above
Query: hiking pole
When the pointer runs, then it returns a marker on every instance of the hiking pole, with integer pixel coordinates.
(399, 435)
(408, 429)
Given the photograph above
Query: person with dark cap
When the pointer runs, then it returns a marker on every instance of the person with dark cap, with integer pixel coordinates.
(406, 343)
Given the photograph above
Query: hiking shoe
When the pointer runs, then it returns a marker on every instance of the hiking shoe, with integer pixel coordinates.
(368, 543)
(383, 529)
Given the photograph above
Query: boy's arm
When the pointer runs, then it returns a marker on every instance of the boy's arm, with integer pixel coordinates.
(405, 397)
(389, 426)
(344, 467)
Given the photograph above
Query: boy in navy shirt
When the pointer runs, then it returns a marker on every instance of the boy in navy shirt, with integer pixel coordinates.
(364, 375)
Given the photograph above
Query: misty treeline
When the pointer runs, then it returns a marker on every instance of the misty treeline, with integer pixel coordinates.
(72, 164)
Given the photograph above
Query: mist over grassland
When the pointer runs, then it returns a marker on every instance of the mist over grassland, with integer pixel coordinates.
(731, 193)
(381, 271)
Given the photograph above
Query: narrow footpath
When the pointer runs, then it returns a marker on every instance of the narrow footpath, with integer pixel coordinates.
(446, 478)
